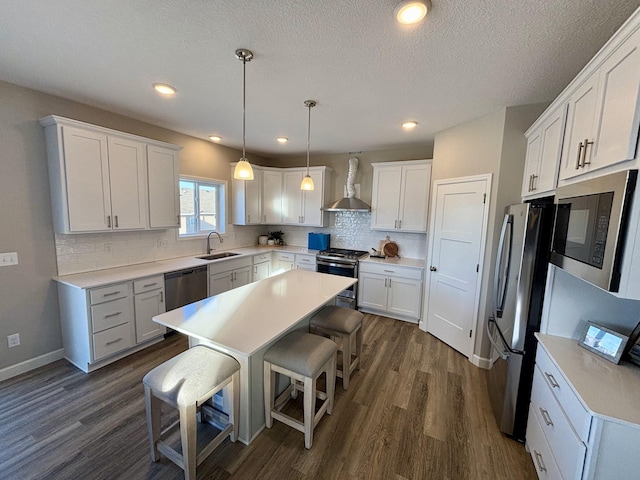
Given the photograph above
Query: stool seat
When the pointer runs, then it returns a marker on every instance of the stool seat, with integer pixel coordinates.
(185, 378)
(301, 352)
(342, 325)
(186, 382)
(338, 319)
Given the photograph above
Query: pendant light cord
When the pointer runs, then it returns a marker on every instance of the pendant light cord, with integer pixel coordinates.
(244, 104)
(308, 136)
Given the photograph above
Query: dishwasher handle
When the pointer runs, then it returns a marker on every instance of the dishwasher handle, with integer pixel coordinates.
(180, 273)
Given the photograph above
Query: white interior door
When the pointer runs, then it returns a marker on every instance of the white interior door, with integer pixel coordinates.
(459, 222)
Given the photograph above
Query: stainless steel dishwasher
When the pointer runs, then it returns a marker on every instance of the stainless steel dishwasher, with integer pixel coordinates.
(185, 286)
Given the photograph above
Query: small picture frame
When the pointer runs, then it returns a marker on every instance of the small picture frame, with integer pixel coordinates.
(603, 341)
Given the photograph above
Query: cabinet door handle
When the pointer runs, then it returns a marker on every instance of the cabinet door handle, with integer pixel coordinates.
(161, 296)
(113, 314)
(579, 155)
(433, 269)
(110, 294)
(389, 282)
(395, 224)
(545, 416)
(116, 221)
(539, 461)
(178, 221)
(529, 189)
(533, 182)
(108, 221)
(584, 152)
(552, 380)
(400, 224)
(385, 282)
(114, 341)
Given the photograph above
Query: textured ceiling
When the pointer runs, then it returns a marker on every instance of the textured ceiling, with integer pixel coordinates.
(368, 73)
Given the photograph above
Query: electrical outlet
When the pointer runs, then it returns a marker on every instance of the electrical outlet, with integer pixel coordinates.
(13, 340)
(107, 248)
(162, 243)
(7, 259)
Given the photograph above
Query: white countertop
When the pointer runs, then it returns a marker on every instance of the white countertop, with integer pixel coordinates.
(245, 319)
(400, 261)
(606, 389)
(131, 272)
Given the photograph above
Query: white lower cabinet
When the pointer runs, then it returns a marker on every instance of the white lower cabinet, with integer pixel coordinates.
(229, 274)
(390, 290)
(148, 302)
(282, 261)
(583, 416)
(261, 266)
(305, 262)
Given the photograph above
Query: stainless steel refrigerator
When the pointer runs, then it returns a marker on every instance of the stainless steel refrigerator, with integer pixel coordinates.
(519, 282)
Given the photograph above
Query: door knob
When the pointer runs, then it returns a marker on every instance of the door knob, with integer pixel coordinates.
(433, 269)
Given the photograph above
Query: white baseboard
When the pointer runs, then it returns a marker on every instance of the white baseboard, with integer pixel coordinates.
(481, 362)
(31, 364)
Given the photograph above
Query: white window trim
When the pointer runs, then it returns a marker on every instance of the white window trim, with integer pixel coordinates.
(226, 198)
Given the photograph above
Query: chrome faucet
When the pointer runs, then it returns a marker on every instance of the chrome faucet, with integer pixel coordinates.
(209, 240)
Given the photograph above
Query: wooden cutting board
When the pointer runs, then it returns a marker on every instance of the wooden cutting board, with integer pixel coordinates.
(390, 249)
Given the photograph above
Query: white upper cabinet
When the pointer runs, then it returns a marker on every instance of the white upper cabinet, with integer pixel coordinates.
(271, 197)
(163, 165)
(282, 202)
(544, 147)
(604, 109)
(247, 199)
(400, 197)
(98, 178)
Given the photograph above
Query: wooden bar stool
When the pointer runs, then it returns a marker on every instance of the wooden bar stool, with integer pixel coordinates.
(345, 324)
(185, 382)
(303, 358)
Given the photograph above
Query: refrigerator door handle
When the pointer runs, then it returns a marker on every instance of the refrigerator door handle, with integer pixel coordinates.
(507, 350)
(500, 291)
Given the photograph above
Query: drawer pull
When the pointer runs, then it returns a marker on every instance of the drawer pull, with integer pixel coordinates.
(111, 294)
(539, 461)
(389, 271)
(552, 380)
(150, 285)
(113, 314)
(546, 417)
(114, 341)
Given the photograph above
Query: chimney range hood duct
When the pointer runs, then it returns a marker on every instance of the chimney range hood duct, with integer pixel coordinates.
(350, 203)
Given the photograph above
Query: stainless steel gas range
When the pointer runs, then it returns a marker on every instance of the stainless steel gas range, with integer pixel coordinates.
(343, 262)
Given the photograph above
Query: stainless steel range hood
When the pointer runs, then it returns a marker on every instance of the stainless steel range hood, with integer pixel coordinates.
(349, 203)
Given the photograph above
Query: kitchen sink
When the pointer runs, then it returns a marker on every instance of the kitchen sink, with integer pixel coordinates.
(218, 256)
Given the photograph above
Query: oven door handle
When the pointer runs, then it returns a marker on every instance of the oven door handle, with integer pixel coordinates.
(350, 266)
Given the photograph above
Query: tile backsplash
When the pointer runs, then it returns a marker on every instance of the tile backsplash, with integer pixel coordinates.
(87, 252)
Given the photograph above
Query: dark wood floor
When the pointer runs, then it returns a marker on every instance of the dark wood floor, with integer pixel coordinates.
(416, 410)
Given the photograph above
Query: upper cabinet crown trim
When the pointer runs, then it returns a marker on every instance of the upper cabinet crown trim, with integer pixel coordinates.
(57, 120)
(427, 161)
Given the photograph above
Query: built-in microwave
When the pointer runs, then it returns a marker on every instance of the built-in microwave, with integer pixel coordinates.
(591, 227)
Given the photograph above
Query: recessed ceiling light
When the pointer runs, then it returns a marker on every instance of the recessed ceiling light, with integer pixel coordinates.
(409, 125)
(164, 88)
(215, 138)
(282, 139)
(409, 12)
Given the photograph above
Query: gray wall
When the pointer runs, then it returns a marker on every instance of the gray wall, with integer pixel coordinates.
(28, 296)
(491, 144)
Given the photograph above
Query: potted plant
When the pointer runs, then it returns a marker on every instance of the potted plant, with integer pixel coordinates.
(276, 237)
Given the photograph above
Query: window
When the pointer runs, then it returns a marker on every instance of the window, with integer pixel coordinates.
(202, 206)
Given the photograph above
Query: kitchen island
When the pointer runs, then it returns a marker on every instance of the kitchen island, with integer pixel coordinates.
(246, 321)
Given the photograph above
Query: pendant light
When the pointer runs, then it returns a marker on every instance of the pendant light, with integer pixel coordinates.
(243, 170)
(307, 181)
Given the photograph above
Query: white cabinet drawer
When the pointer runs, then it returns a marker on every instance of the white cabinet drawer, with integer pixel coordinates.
(110, 314)
(148, 284)
(112, 341)
(228, 265)
(285, 256)
(306, 259)
(391, 270)
(538, 447)
(112, 292)
(263, 257)
(569, 451)
(573, 408)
